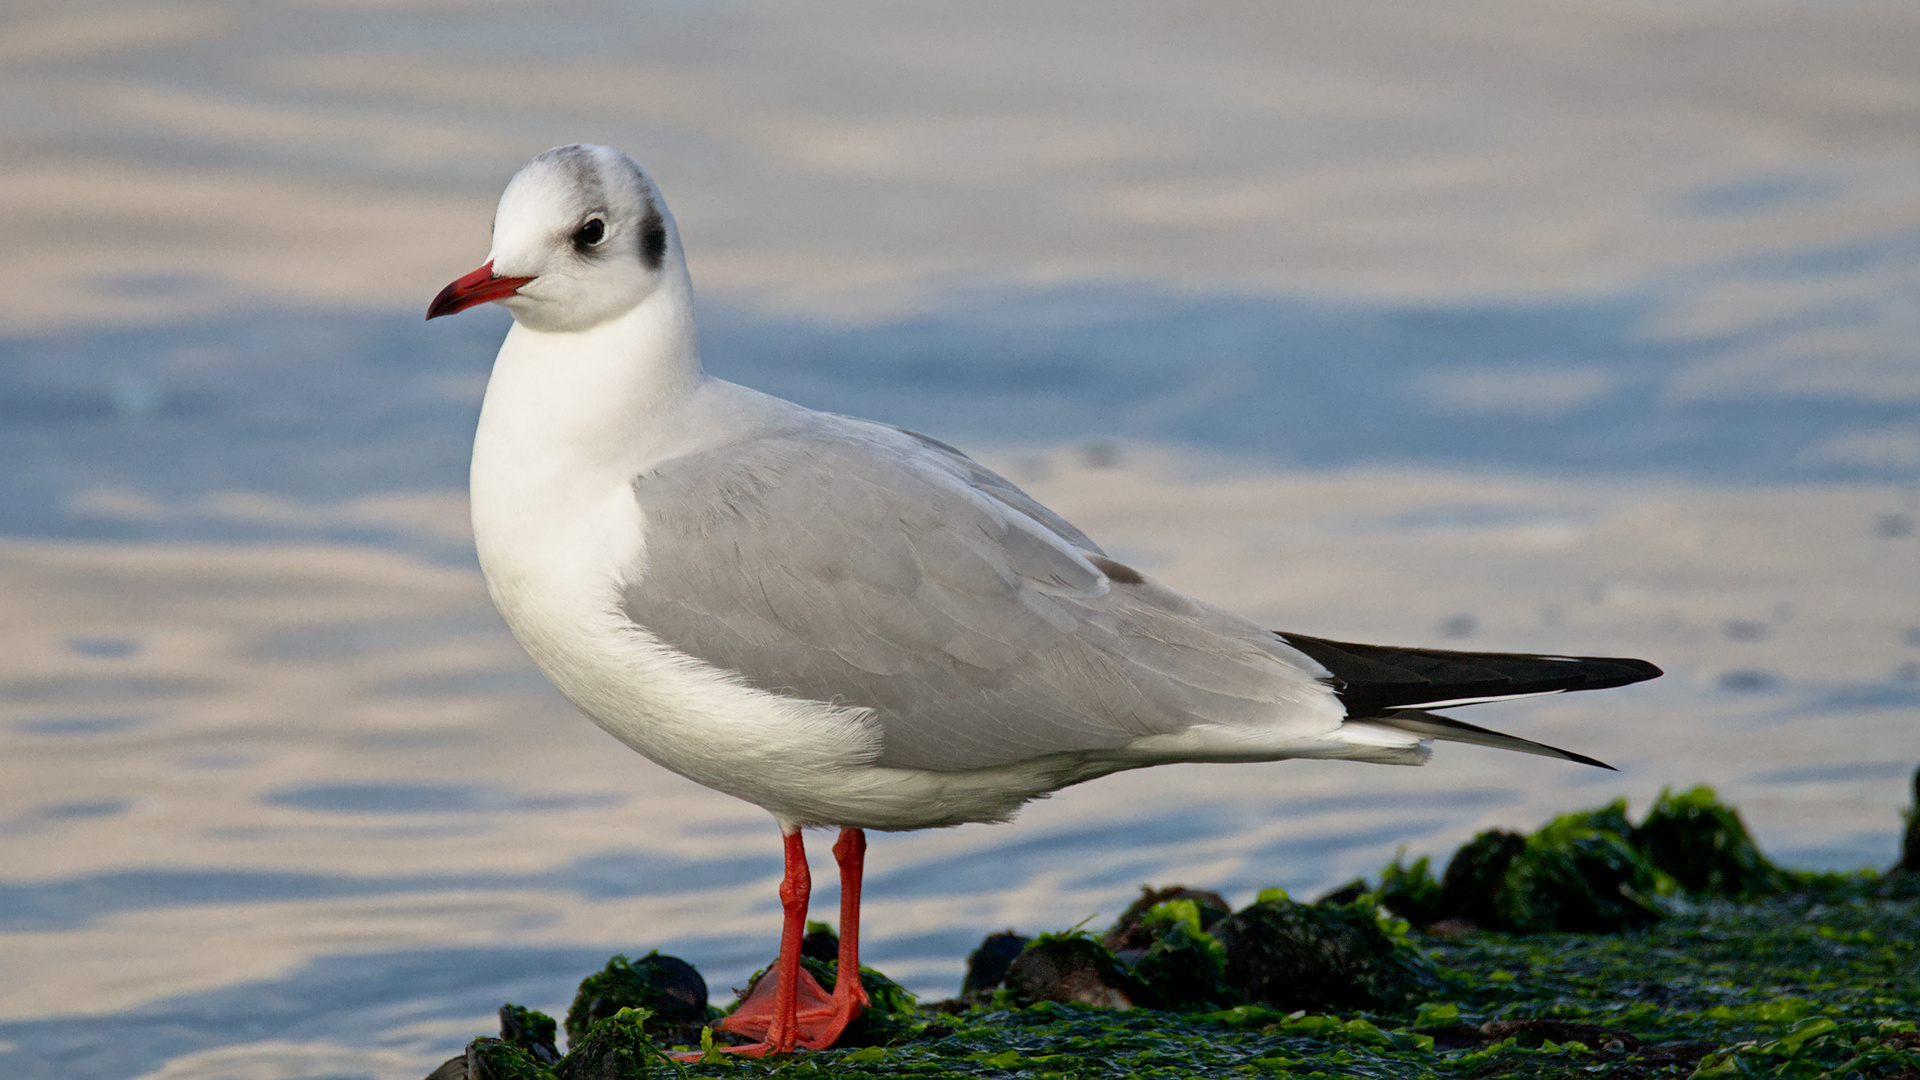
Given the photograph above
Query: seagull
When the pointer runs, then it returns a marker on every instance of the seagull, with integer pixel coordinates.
(849, 624)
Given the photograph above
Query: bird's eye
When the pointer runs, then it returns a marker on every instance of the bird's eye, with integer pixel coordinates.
(589, 234)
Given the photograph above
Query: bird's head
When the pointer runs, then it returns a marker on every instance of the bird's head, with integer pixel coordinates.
(580, 238)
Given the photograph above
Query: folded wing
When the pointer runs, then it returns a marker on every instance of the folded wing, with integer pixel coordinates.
(849, 562)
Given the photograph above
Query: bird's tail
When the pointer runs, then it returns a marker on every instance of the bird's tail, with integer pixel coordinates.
(1446, 729)
(1391, 687)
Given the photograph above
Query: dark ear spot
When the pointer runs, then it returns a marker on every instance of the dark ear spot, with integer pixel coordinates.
(653, 237)
(1118, 573)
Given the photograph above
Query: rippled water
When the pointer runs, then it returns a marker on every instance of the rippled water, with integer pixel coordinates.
(281, 797)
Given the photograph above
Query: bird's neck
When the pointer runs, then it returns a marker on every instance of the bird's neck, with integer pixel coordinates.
(598, 397)
(569, 420)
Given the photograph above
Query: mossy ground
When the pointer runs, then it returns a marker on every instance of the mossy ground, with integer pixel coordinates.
(1751, 971)
(1804, 985)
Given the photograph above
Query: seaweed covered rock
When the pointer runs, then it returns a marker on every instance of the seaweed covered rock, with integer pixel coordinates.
(1909, 864)
(1702, 844)
(530, 1030)
(1137, 929)
(820, 942)
(987, 965)
(1072, 968)
(619, 1047)
(493, 1059)
(1596, 872)
(1349, 893)
(1321, 958)
(1182, 966)
(1408, 891)
(1578, 874)
(666, 988)
(1470, 888)
(524, 1051)
(1411, 891)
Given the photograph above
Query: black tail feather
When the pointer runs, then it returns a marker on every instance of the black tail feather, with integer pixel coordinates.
(1376, 680)
(1447, 729)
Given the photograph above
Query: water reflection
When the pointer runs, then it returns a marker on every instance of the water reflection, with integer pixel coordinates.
(279, 423)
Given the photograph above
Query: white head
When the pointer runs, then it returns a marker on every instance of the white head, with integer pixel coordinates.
(581, 237)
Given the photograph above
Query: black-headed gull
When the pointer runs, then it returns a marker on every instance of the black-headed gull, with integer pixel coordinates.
(845, 623)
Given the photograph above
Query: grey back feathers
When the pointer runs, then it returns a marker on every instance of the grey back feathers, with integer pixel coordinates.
(844, 561)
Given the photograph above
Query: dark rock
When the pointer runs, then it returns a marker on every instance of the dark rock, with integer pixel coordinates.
(1128, 934)
(530, 1030)
(1580, 873)
(1183, 968)
(1471, 885)
(1321, 958)
(1163, 939)
(1346, 894)
(820, 944)
(492, 1059)
(667, 987)
(1411, 892)
(1910, 847)
(1071, 968)
(1703, 844)
(454, 1068)
(1573, 876)
(987, 965)
(618, 1048)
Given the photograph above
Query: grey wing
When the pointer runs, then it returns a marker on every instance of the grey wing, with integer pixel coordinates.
(848, 562)
(992, 483)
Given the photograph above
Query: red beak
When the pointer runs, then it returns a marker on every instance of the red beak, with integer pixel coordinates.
(476, 288)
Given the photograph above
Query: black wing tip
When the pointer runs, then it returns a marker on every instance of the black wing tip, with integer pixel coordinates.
(1423, 723)
(1370, 678)
(1585, 760)
(1644, 669)
(1606, 672)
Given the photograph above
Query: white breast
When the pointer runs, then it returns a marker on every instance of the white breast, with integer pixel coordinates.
(559, 535)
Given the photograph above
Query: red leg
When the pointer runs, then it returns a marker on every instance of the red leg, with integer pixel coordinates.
(849, 997)
(787, 1007)
(771, 1011)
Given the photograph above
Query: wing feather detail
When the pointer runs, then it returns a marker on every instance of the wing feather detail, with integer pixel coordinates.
(851, 562)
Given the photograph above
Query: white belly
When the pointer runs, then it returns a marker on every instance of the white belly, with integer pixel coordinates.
(558, 542)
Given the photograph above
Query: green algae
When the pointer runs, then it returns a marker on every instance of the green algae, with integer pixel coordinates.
(666, 989)
(1704, 846)
(1184, 966)
(618, 1048)
(1410, 891)
(1073, 968)
(531, 1030)
(1792, 986)
(1593, 871)
(1322, 957)
(1723, 966)
(1580, 873)
(497, 1059)
(1470, 891)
